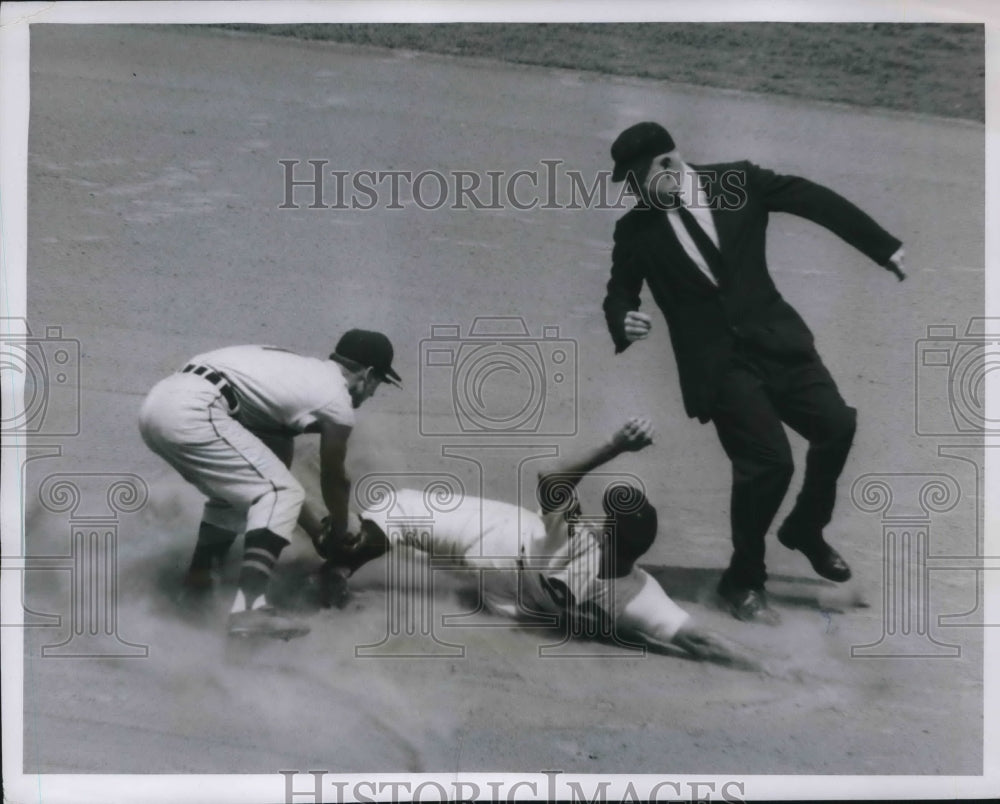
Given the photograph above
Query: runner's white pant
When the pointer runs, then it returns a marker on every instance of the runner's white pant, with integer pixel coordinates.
(185, 420)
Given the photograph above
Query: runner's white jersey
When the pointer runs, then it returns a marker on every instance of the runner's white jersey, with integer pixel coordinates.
(570, 579)
(487, 536)
(533, 562)
(469, 528)
(280, 391)
(567, 564)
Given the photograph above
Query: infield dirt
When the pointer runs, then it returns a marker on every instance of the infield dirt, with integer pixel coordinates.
(155, 233)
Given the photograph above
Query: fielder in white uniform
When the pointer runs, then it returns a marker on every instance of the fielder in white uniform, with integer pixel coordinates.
(557, 560)
(226, 423)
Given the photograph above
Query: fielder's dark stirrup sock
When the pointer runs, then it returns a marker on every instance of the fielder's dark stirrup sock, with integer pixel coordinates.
(213, 544)
(259, 557)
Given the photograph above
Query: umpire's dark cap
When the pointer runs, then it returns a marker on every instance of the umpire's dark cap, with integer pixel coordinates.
(641, 141)
(369, 349)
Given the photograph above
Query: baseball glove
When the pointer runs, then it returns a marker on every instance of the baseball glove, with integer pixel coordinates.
(353, 550)
(328, 545)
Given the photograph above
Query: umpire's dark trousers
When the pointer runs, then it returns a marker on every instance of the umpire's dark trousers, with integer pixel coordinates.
(758, 393)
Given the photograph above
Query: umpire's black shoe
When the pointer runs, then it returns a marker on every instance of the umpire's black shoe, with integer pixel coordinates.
(826, 561)
(749, 605)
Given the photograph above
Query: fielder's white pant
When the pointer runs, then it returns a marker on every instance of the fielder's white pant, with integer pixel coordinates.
(185, 420)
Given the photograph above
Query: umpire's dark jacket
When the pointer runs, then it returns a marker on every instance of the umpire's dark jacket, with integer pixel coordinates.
(705, 321)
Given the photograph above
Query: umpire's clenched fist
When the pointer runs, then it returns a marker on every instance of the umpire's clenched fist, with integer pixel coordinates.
(637, 325)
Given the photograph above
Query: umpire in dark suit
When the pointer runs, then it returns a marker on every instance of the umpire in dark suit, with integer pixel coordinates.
(746, 359)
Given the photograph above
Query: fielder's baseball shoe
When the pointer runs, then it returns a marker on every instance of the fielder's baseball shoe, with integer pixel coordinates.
(826, 562)
(265, 622)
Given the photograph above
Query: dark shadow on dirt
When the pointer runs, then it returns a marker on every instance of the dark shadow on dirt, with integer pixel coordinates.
(698, 584)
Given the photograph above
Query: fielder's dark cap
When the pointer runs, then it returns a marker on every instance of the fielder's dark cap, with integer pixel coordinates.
(641, 141)
(369, 349)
